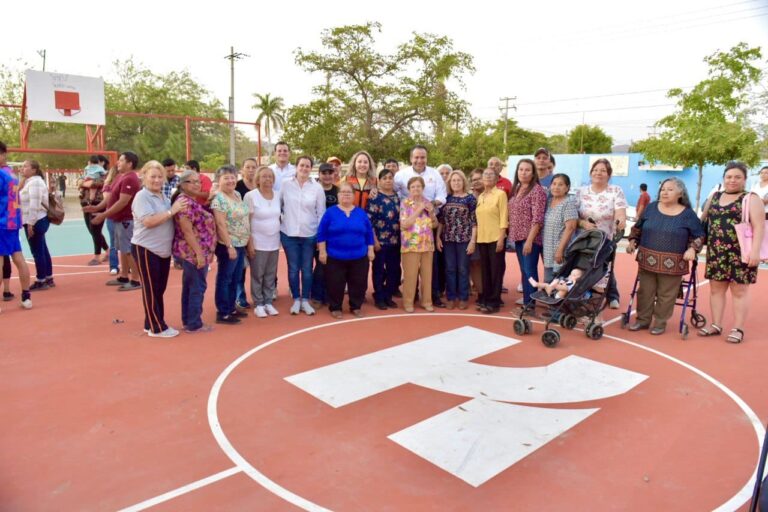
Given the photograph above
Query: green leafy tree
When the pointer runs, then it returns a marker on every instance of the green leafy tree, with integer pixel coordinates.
(709, 124)
(384, 99)
(589, 139)
(270, 114)
(557, 143)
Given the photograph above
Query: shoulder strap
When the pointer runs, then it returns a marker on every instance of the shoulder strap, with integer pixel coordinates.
(745, 208)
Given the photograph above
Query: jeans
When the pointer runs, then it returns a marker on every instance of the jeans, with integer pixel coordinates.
(114, 260)
(456, 270)
(438, 272)
(612, 290)
(299, 251)
(227, 276)
(529, 267)
(318, 281)
(193, 286)
(240, 297)
(386, 272)
(43, 264)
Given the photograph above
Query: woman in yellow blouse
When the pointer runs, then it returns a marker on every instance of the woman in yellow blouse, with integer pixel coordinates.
(492, 223)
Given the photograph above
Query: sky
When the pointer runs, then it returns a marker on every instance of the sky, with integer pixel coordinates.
(601, 62)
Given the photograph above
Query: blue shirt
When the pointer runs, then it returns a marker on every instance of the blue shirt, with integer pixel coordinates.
(10, 204)
(346, 238)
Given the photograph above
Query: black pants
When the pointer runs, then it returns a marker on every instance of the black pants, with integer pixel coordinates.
(492, 266)
(154, 278)
(438, 272)
(99, 242)
(353, 274)
(6, 267)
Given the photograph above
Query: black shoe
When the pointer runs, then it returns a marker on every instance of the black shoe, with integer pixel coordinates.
(243, 305)
(381, 305)
(390, 303)
(490, 311)
(438, 303)
(50, 282)
(39, 286)
(227, 319)
(239, 314)
(397, 294)
(8, 296)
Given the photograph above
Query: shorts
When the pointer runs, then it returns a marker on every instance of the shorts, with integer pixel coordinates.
(123, 235)
(9, 242)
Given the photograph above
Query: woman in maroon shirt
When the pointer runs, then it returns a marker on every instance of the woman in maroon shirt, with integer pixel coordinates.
(526, 207)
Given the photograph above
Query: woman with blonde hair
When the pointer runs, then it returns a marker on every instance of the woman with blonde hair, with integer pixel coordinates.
(456, 237)
(153, 231)
(264, 246)
(362, 176)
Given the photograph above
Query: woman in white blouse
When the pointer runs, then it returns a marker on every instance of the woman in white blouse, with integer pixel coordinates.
(34, 214)
(603, 206)
(303, 204)
(264, 246)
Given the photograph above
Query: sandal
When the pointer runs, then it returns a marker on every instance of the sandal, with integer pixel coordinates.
(712, 330)
(735, 336)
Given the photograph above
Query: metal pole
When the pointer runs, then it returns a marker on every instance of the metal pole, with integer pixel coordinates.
(232, 57)
(505, 109)
(232, 107)
(42, 54)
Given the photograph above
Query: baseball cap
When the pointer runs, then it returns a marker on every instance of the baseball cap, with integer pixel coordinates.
(334, 159)
(326, 167)
(542, 150)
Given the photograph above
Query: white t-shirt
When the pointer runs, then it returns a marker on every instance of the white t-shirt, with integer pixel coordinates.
(265, 220)
(761, 192)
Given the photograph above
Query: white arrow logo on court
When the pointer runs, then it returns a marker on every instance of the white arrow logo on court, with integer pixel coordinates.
(484, 436)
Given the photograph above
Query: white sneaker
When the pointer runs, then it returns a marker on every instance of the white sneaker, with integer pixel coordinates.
(260, 312)
(614, 304)
(307, 308)
(168, 333)
(26, 304)
(113, 272)
(520, 288)
(296, 307)
(271, 311)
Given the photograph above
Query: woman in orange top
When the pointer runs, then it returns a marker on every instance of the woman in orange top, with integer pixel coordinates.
(362, 176)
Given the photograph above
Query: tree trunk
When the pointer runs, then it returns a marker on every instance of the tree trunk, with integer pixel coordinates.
(698, 187)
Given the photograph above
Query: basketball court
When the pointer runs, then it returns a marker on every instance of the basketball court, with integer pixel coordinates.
(391, 412)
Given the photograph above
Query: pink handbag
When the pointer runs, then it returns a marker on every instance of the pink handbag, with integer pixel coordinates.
(745, 235)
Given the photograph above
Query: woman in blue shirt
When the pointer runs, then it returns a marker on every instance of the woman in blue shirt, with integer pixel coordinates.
(667, 237)
(345, 243)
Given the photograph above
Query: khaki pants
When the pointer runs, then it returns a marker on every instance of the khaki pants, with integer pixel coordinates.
(417, 265)
(656, 297)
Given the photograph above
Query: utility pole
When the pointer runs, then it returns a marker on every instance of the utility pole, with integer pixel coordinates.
(232, 58)
(42, 54)
(505, 110)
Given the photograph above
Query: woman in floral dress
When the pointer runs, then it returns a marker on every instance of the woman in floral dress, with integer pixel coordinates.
(725, 268)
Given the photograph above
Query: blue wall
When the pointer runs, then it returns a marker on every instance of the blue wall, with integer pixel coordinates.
(577, 168)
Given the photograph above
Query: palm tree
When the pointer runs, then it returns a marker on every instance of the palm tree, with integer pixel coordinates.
(271, 112)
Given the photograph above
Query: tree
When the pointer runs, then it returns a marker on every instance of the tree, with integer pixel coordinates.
(709, 123)
(271, 113)
(589, 139)
(385, 98)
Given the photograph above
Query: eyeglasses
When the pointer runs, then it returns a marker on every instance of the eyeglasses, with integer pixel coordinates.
(192, 181)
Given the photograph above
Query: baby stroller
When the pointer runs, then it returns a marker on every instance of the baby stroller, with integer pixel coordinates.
(685, 298)
(593, 253)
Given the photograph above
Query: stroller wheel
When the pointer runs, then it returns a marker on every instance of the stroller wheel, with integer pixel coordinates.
(519, 327)
(698, 320)
(594, 331)
(550, 338)
(684, 332)
(528, 326)
(568, 321)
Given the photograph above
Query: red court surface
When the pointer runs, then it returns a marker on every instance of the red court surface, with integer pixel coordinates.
(98, 416)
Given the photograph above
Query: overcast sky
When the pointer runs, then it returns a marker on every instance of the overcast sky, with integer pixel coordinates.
(609, 63)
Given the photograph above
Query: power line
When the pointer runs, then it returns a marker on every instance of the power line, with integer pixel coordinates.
(597, 110)
(611, 95)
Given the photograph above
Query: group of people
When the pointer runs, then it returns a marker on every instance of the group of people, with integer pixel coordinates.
(439, 234)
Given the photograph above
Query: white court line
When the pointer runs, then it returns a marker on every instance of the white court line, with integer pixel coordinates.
(69, 274)
(182, 490)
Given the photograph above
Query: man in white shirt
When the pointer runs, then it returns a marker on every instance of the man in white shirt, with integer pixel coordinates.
(282, 167)
(434, 186)
(434, 190)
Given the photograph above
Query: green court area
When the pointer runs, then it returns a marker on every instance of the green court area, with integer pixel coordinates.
(68, 239)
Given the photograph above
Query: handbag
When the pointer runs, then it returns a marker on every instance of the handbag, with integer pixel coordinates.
(55, 209)
(745, 235)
